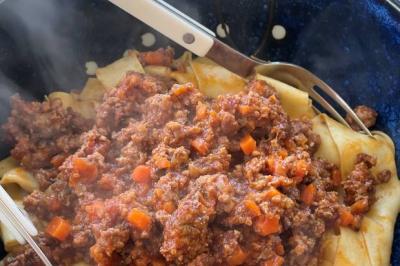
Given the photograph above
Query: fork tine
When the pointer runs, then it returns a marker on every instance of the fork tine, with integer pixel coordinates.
(305, 80)
(319, 99)
(316, 109)
(336, 97)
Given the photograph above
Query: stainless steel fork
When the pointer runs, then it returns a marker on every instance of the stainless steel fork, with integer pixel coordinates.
(202, 42)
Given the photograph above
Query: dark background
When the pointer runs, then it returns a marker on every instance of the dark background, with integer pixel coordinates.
(353, 45)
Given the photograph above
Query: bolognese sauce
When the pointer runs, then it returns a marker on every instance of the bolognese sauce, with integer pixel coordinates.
(167, 176)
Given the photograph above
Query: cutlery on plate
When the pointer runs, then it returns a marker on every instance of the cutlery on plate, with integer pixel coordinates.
(196, 38)
(19, 225)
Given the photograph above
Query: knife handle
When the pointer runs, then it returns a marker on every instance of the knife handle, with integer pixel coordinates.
(188, 33)
(170, 22)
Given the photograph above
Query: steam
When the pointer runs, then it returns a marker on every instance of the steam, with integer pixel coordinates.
(45, 27)
(7, 89)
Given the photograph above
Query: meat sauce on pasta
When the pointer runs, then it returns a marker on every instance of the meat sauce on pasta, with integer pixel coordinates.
(164, 175)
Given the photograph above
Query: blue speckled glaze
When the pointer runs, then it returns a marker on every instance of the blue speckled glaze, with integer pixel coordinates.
(354, 45)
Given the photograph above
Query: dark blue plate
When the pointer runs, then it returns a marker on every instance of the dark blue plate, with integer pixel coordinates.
(353, 45)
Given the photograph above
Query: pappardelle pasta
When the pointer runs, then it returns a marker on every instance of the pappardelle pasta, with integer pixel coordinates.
(163, 161)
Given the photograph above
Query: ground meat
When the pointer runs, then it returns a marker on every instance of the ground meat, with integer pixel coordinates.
(57, 199)
(45, 177)
(225, 245)
(26, 256)
(124, 102)
(366, 114)
(359, 184)
(185, 233)
(43, 130)
(158, 109)
(305, 229)
(229, 125)
(107, 242)
(303, 135)
(262, 88)
(202, 260)
(169, 189)
(254, 167)
(384, 176)
(199, 198)
(217, 162)
(359, 187)
(259, 249)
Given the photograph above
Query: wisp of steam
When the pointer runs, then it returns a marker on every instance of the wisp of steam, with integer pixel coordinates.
(41, 28)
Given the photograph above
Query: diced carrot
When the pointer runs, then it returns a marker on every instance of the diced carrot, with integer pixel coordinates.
(345, 217)
(279, 249)
(153, 58)
(141, 174)
(160, 57)
(139, 219)
(244, 109)
(252, 207)
(214, 119)
(201, 111)
(238, 257)
(275, 166)
(359, 206)
(267, 225)
(169, 206)
(301, 169)
(336, 177)
(272, 192)
(283, 153)
(163, 163)
(86, 170)
(179, 89)
(200, 146)
(308, 194)
(248, 144)
(95, 210)
(58, 228)
(275, 261)
(273, 98)
(270, 163)
(280, 168)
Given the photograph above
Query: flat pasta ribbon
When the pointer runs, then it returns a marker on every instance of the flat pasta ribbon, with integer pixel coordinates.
(371, 245)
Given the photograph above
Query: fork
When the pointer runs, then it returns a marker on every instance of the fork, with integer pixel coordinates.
(196, 38)
(19, 225)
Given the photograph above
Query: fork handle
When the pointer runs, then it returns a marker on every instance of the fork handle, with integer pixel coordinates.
(186, 32)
